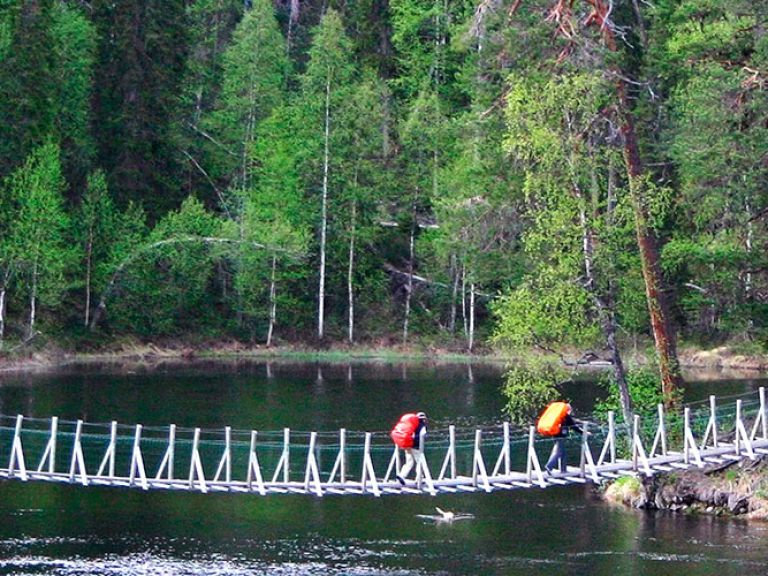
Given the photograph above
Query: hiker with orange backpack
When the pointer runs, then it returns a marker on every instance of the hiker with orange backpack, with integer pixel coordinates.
(556, 421)
(409, 434)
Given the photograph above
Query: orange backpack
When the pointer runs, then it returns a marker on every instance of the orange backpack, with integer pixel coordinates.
(551, 420)
(402, 433)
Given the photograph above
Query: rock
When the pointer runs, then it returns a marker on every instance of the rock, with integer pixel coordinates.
(738, 503)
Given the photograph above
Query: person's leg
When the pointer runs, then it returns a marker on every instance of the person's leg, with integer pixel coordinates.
(418, 461)
(556, 457)
(406, 469)
(563, 457)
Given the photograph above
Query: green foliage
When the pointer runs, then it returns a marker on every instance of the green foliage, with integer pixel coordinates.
(544, 315)
(644, 389)
(254, 71)
(529, 387)
(38, 244)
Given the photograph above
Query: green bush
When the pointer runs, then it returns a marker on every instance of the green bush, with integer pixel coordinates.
(529, 387)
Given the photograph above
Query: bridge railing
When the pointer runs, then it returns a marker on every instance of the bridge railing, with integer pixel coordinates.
(365, 462)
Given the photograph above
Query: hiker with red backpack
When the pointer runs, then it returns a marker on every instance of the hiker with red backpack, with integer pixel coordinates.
(556, 421)
(409, 434)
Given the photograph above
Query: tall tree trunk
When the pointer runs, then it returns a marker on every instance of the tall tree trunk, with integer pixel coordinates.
(663, 333)
(3, 295)
(409, 285)
(293, 19)
(33, 303)
(272, 301)
(454, 292)
(471, 339)
(350, 277)
(464, 300)
(88, 260)
(324, 215)
(605, 305)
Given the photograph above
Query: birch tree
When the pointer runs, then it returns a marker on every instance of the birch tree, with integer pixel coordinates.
(325, 87)
(96, 231)
(39, 240)
(276, 225)
(560, 138)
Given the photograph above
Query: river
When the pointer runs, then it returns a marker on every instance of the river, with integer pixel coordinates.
(70, 530)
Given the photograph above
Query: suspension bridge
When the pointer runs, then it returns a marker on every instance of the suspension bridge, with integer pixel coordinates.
(365, 463)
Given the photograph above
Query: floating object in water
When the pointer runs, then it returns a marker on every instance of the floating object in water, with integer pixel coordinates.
(445, 517)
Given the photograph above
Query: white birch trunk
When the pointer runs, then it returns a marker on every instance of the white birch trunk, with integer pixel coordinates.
(350, 278)
(33, 303)
(2, 315)
(471, 342)
(749, 244)
(454, 293)
(293, 18)
(272, 301)
(464, 300)
(409, 285)
(324, 216)
(88, 258)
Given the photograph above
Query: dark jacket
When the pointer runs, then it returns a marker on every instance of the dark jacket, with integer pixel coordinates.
(569, 423)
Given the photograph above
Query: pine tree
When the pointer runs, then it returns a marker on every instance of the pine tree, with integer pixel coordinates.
(142, 50)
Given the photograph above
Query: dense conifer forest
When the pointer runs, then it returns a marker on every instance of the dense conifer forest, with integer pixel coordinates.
(531, 173)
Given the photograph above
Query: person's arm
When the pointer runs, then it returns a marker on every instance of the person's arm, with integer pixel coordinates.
(571, 424)
(421, 434)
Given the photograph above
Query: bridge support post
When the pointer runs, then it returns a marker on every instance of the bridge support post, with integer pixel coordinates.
(762, 418)
(225, 464)
(17, 453)
(450, 455)
(50, 449)
(741, 433)
(711, 430)
(660, 440)
(609, 447)
(369, 474)
(196, 465)
(137, 462)
(78, 460)
(312, 474)
(478, 465)
(340, 465)
(690, 446)
(166, 465)
(254, 469)
(283, 464)
(586, 456)
(533, 460)
(504, 456)
(109, 455)
(638, 452)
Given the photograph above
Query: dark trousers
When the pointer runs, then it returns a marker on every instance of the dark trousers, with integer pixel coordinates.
(557, 457)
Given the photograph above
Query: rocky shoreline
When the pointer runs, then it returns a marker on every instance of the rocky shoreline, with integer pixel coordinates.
(736, 488)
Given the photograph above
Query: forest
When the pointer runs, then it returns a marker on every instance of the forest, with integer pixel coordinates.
(457, 173)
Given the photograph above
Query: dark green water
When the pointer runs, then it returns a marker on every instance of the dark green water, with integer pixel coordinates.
(48, 529)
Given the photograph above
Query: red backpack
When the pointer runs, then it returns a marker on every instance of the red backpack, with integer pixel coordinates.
(402, 433)
(551, 420)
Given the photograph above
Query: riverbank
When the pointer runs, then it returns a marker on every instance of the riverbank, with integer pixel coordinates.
(714, 361)
(736, 488)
